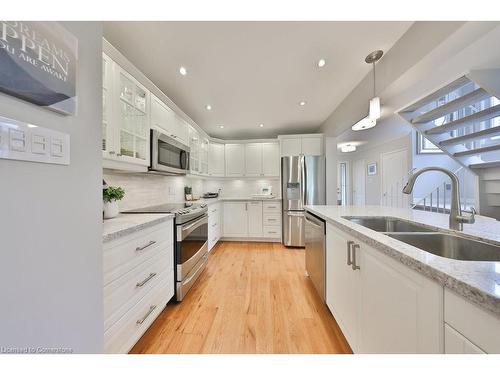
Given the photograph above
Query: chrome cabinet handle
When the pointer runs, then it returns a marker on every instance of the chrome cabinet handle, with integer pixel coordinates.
(145, 246)
(354, 265)
(349, 260)
(112, 152)
(151, 309)
(143, 282)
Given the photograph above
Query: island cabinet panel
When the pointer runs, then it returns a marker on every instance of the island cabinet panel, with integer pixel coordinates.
(342, 285)
(455, 343)
(382, 306)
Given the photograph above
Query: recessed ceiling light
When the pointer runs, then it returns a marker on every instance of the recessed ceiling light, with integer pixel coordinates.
(302, 103)
(321, 63)
(208, 107)
(221, 126)
(261, 125)
(182, 70)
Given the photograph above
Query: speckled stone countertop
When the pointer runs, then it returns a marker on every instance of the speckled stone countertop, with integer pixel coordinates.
(477, 281)
(125, 224)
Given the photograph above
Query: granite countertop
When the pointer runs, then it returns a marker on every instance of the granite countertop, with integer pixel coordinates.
(125, 224)
(476, 281)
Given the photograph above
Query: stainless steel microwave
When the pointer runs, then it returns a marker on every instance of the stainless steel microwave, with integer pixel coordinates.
(168, 155)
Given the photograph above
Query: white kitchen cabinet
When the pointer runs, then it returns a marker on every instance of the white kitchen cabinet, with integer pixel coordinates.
(216, 161)
(182, 130)
(291, 146)
(382, 307)
(214, 224)
(253, 159)
(204, 149)
(107, 106)
(400, 310)
(342, 285)
(235, 159)
(475, 324)
(271, 159)
(194, 151)
(309, 145)
(455, 343)
(235, 220)
(312, 146)
(165, 120)
(255, 218)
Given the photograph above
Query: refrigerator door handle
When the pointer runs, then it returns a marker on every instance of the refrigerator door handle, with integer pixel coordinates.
(304, 180)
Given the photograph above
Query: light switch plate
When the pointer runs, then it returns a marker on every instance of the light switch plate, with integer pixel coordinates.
(29, 142)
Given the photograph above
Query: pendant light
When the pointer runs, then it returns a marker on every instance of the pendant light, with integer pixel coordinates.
(374, 113)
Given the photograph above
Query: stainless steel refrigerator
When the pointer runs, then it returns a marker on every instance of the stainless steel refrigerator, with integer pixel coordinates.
(302, 183)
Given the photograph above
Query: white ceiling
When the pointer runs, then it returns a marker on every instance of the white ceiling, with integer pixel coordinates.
(254, 72)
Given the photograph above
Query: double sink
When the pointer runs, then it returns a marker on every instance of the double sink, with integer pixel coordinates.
(429, 239)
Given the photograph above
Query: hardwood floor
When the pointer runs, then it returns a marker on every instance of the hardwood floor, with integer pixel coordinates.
(252, 298)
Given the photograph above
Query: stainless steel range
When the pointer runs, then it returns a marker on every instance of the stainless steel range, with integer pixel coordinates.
(190, 241)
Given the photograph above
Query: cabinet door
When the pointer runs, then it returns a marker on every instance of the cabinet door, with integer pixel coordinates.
(181, 130)
(107, 105)
(235, 159)
(162, 117)
(455, 343)
(271, 159)
(133, 123)
(194, 151)
(204, 145)
(235, 219)
(401, 310)
(312, 146)
(255, 219)
(216, 162)
(291, 146)
(253, 159)
(342, 285)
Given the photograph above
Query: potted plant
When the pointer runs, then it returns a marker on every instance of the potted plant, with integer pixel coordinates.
(111, 195)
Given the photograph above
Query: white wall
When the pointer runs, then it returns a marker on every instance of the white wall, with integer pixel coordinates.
(51, 223)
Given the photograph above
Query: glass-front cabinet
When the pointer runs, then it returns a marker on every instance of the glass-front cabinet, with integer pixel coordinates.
(194, 146)
(204, 156)
(125, 121)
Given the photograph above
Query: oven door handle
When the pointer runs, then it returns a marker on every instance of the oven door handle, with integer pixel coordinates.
(186, 230)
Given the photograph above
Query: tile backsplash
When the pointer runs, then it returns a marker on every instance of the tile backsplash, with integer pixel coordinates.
(142, 190)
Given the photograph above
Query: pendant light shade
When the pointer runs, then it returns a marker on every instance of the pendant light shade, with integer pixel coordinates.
(374, 113)
(374, 108)
(348, 148)
(364, 123)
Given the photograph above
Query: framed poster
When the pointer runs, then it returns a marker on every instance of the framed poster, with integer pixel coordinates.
(372, 169)
(38, 63)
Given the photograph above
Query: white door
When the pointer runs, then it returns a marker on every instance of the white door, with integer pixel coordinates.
(271, 159)
(235, 219)
(394, 176)
(253, 159)
(216, 160)
(358, 182)
(254, 219)
(235, 159)
(342, 285)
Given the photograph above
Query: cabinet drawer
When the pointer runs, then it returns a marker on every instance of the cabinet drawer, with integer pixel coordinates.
(272, 207)
(473, 322)
(122, 335)
(122, 255)
(271, 231)
(124, 292)
(272, 219)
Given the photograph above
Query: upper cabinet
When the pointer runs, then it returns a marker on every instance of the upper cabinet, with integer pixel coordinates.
(216, 162)
(252, 159)
(165, 120)
(125, 119)
(194, 151)
(235, 159)
(309, 144)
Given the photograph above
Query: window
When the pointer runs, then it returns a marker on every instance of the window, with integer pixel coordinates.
(424, 146)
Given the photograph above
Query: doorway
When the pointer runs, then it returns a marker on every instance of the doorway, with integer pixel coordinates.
(359, 183)
(394, 177)
(343, 183)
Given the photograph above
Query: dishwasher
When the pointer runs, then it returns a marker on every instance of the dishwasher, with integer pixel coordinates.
(315, 238)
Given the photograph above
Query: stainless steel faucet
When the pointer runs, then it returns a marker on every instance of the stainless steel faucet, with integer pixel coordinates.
(456, 217)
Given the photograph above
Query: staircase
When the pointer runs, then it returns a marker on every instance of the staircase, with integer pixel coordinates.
(463, 120)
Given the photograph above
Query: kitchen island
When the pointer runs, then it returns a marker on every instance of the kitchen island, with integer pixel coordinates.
(416, 292)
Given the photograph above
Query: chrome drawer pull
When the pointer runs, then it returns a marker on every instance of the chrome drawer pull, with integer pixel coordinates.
(349, 260)
(151, 309)
(271, 219)
(143, 282)
(145, 246)
(354, 265)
